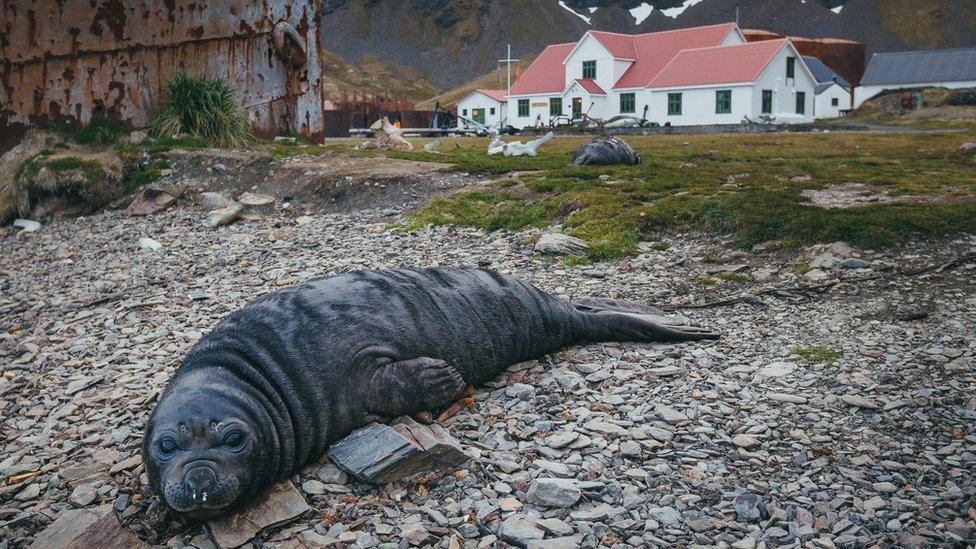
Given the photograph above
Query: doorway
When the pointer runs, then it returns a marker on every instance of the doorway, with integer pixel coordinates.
(577, 107)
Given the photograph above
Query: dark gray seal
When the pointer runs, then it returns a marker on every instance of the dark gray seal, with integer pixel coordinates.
(606, 150)
(275, 383)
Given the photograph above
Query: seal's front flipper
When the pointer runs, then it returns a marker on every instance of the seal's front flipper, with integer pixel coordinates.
(410, 386)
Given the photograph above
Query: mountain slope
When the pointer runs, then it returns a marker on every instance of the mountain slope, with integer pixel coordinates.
(454, 41)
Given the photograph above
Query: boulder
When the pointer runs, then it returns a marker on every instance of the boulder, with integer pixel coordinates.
(256, 206)
(26, 226)
(84, 528)
(152, 200)
(225, 216)
(380, 453)
(554, 492)
(214, 201)
(561, 244)
(281, 504)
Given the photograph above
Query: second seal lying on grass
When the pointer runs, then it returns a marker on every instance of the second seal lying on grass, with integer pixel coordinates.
(606, 150)
(274, 384)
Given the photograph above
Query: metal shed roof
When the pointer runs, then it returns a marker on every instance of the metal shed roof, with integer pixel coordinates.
(920, 67)
(823, 73)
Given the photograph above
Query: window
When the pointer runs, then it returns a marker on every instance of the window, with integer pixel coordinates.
(464, 113)
(493, 111)
(723, 102)
(835, 102)
(556, 106)
(589, 70)
(674, 104)
(523, 108)
(801, 103)
(628, 103)
(767, 102)
(791, 67)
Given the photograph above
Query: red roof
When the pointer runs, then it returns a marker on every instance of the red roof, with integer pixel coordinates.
(621, 46)
(546, 74)
(718, 65)
(652, 51)
(590, 86)
(655, 50)
(497, 95)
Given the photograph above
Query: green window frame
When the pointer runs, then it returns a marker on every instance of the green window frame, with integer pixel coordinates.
(767, 101)
(801, 103)
(628, 103)
(791, 67)
(674, 104)
(556, 106)
(523, 108)
(723, 102)
(589, 70)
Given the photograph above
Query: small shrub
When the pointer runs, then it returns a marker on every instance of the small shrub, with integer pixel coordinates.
(817, 353)
(207, 109)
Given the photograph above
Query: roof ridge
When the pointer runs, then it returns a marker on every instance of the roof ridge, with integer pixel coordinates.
(663, 31)
(760, 43)
(914, 52)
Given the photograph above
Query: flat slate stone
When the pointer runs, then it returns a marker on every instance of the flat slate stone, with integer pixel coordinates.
(85, 528)
(282, 504)
(380, 453)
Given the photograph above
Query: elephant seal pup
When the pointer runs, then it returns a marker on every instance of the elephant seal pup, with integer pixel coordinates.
(606, 150)
(275, 383)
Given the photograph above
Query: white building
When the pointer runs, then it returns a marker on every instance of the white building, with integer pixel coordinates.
(833, 93)
(482, 106)
(951, 69)
(701, 75)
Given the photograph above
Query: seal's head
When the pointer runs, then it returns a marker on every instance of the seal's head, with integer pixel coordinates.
(202, 453)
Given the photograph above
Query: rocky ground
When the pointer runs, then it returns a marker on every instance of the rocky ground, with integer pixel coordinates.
(841, 416)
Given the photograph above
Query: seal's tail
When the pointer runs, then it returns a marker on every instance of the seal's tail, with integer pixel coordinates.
(614, 320)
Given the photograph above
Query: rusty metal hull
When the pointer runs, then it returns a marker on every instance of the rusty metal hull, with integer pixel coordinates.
(73, 59)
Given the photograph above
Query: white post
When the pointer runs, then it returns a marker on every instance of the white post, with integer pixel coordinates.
(508, 67)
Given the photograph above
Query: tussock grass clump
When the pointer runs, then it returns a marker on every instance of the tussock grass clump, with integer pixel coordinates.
(99, 131)
(78, 185)
(206, 109)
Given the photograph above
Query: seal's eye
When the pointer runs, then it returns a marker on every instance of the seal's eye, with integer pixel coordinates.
(167, 446)
(234, 440)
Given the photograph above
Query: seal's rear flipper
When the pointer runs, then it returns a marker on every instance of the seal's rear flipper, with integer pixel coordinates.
(409, 386)
(599, 305)
(621, 325)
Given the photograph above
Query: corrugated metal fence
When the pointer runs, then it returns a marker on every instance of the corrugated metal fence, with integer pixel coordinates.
(64, 60)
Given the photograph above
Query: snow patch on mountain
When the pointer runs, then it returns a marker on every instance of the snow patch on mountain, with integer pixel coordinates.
(837, 9)
(563, 5)
(674, 12)
(641, 12)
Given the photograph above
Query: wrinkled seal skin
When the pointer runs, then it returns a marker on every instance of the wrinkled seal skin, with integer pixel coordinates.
(276, 382)
(606, 150)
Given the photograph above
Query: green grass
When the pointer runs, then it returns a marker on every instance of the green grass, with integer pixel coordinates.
(764, 203)
(818, 354)
(207, 109)
(280, 151)
(144, 176)
(99, 131)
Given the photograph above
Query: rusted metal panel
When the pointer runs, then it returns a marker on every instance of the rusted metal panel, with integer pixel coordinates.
(73, 59)
(845, 57)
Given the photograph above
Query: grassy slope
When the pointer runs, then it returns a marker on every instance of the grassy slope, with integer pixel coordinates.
(746, 186)
(491, 80)
(373, 76)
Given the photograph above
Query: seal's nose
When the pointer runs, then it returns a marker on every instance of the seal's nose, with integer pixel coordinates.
(199, 480)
